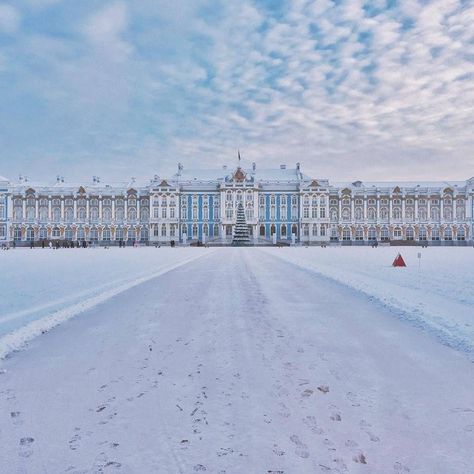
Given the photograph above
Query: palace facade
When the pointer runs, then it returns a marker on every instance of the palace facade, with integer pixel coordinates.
(281, 205)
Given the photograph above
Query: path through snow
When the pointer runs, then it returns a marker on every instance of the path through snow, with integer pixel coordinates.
(238, 362)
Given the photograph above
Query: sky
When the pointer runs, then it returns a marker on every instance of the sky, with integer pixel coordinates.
(369, 90)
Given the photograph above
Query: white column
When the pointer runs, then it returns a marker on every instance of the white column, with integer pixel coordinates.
(442, 208)
(138, 208)
(62, 208)
(365, 208)
(390, 208)
(87, 210)
(75, 209)
(100, 208)
(49, 209)
(352, 208)
(378, 208)
(113, 208)
(429, 208)
(416, 208)
(403, 208)
(24, 208)
(37, 208)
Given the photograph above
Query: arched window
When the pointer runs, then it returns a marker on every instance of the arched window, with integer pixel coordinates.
(205, 230)
(283, 230)
(359, 234)
(56, 214)
(119, 233)
(371, 213)
(144, 234)
(397, 213)
(30, 213)
(314, 230)
(30, 233)
(107, 214)
(461, 234)
(43, 233)
(262, 231)
(81, 214)
(397, 232)
(435, 233)
(384, 213)
(68, 233)
(272, 229)
(93, 234)
(435, 213)
(346, 214)
(195, 231)
(384, 234)
(163, 230)
(94, 212)
(372, 233)
(346, 233)
(17, 233)
(423, 235)
(358, 213)
(306, 230)
(69, 213)
(294, 230)
(132, 214)
(448, 233)
(216, 230)
(106, 234)
(80, 233)
(410, 233)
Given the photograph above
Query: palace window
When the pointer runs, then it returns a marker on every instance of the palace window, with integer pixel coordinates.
(448, 234)
(118, 234)
(306, 212)
(346, 233)
(314, 212)
(272, 200)
(43, 233)
(56, 214)
(306, 200)
(315, 230)
(283, 200)
(229, 214)
(132, 214)
(283, 212)
(69, 214)
(423, 235)
(155, 230)
(461, 234)
(164, 213)
(322, 213)
(205, 230)
(56, 232)
(372, 234)
(283, 230)
(358, 202)
(397, 213)
(435, 233)
(163, 230)
(306, 230)
(195, 212)
(106, 234)
(371, 202)
(216, 230)
(195, 231)
(205, 212)
(397, 232)
(272, 213)
(294, 200)
(410, 233)
(371, 213)
(172, 213)
(384, 234)
(314, 201)
(359, 234)
(172, 230)
(228, 196)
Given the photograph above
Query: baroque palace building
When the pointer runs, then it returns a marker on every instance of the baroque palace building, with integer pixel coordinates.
(281, 205)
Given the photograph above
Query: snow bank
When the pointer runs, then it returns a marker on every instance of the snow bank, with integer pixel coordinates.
(434, 292)
(41, 288)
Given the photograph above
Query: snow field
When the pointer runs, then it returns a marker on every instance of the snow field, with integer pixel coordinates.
(434, 292)
(41, 288)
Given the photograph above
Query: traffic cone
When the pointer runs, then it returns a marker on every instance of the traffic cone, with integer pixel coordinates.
(399, 262)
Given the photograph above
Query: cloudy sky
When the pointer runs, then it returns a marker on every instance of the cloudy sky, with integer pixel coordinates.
(352, 89)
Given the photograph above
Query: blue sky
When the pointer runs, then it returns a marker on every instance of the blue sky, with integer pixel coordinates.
(382, 89)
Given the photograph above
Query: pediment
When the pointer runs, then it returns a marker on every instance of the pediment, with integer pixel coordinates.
(239, 175)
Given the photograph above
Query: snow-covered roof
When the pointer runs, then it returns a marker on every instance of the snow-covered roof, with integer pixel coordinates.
(401, 184)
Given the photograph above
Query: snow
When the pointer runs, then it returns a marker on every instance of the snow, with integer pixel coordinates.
(240, 361)
(433, 292)
(43, 287)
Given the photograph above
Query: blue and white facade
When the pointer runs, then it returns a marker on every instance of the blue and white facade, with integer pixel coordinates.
(282, 204)
(4, 210)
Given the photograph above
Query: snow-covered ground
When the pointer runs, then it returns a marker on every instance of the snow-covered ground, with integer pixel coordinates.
(243, 362)
(434, 292)
(42, 287)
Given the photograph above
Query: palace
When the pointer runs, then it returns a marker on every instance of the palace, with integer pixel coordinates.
(281, 205)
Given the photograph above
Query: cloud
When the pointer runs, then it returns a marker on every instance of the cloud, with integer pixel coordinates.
(350, 88)
(9, 19)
